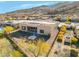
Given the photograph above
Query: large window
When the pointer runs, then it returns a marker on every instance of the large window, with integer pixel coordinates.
(32, 29)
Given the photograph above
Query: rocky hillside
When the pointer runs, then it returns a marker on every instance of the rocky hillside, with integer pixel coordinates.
(60, 8)
(40, 9)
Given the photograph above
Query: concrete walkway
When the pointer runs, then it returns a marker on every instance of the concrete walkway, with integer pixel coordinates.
(52, 39)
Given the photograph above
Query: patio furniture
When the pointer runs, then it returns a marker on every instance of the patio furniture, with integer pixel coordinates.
(32, 37)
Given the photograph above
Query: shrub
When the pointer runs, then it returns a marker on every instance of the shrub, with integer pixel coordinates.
(8, 29)
(73, 53)
(16, 53)
(74, 40)
(39, 48)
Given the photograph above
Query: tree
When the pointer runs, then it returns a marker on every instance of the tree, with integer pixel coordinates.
(43, 47)
(74, 40)
(8, 29)
(68, 19)
(16, 53)
(63, 28)
(1, 32)
(58, 18)
(61, 33)
(39, 48)
(10, 19)
(73, 53)
(60, 37)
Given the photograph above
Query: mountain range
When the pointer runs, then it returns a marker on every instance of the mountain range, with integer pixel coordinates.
(60, 8)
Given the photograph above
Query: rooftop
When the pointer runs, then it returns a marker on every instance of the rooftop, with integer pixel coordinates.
(29, 21)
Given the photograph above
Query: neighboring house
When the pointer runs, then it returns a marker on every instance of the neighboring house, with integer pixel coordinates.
(68, 38)
(77, 31)
(72, 25)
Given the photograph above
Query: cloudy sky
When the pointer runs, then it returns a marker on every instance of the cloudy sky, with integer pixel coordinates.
(7, 6)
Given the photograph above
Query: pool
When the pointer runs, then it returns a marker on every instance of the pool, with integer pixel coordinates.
(27, 34)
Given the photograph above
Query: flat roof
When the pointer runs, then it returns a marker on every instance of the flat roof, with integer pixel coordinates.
(30, 21)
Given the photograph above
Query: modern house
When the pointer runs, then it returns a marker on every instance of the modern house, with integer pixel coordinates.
(39, 27)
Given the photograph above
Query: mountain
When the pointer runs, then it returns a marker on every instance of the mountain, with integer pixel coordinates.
(60, 8)
(35, 10)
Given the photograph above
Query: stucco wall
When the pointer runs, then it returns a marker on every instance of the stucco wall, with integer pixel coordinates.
(45, 27)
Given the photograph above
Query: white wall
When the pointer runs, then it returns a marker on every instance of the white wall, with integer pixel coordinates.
(45, 27)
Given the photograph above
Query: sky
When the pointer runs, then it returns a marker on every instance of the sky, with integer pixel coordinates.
(8, 6)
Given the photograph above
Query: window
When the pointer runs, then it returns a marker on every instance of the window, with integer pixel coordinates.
(32, 29)
(23, 27)
(41, 31)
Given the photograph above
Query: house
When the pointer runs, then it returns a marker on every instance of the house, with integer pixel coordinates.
(72, 25)
(77, 31)
(37, 27)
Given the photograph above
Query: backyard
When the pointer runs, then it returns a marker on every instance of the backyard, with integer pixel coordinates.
(7, 50)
